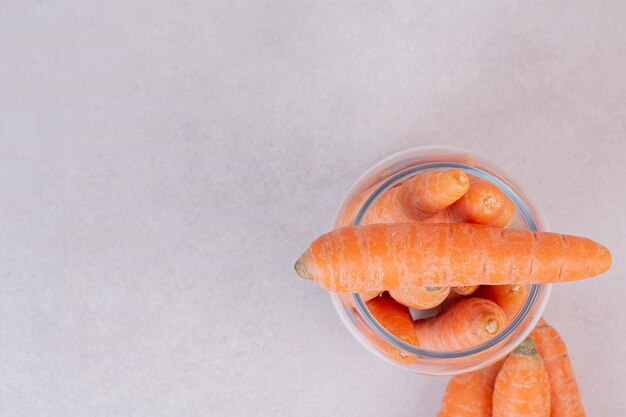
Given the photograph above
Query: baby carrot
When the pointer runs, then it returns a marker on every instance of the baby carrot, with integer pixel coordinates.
(420, 298)
(565, 396)
(397, 320)
(466, 324)
(380, 257)
(465, 290)
(419, 197)
(470, 394)
(522, 386)
(510, 298)
(483, 203)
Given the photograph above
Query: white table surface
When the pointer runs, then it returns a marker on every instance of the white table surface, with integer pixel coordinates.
(162, 164)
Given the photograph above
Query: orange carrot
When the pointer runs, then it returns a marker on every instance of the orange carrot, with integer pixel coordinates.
(565, 396)
(419, 197)
(420, 298)
(510, 298)
(483, 203)
(368, 295)
(466, 324)
(522, 386)
(465, 290)
(470, 394)
(397, 320)
(386, 256)
(394, 317)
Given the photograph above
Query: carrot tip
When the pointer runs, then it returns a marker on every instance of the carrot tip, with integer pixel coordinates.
(460, 177)
(527, 347)
(301, 269)
(492, 326)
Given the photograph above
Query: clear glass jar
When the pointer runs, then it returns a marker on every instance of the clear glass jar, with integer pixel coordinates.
(352, 308)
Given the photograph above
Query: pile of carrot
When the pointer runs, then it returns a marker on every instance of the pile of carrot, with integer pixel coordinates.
(535, 380)
(439, 241)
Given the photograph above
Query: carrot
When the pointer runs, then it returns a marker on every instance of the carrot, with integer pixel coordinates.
(470, 394)
(510, 298)
(420, 298)
(466, 324)
(387, 256)
(394, 317)
(565, 396)
(522, 386)
(484, 203)
(397, 320)
(368, 295)
(419, 197)
(465, 290)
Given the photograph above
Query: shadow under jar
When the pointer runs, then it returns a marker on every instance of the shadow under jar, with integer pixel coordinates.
(352, 308)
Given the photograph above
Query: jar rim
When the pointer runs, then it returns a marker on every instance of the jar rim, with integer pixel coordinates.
(531, 223)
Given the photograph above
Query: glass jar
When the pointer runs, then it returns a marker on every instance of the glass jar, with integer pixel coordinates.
(352, 308)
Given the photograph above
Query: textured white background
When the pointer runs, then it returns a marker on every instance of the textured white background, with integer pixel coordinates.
(162, 164)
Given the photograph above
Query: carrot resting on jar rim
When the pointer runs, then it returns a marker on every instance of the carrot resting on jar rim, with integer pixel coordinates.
(380, 257)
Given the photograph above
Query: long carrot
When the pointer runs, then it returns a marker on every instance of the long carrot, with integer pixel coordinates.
(522, 387)
(510, 298)
(465, 324)
(565, 396)
(470, 394)
(397, 320)
(420, 298)
(387, 256)
(483, 203)
(419, 197)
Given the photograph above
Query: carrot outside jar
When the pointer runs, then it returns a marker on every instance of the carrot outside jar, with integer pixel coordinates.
(352, 308)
